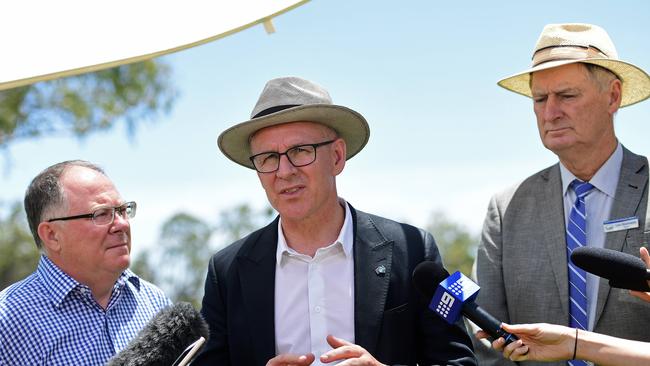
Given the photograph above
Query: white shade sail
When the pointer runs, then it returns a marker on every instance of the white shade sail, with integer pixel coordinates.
(43, 40)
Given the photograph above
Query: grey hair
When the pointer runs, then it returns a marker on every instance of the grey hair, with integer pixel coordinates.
(600, 75)
(45, 193)
(330, 132)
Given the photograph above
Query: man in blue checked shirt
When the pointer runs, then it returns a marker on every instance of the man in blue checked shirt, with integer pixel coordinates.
(82, 305)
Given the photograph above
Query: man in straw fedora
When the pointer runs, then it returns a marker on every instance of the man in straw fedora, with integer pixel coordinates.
(596, 195)
(324, 282)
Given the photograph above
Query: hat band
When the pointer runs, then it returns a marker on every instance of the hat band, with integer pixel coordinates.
(274, 109)
(566, 52)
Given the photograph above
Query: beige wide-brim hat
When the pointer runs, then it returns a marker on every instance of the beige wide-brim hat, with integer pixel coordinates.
(562, 44)
(292, 99)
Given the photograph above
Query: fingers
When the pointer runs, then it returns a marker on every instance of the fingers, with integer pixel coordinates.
(645, 296)
(291, 360)
(308, 359)
(519, 352)
(342, 349)
(342, 353)
(498, 344)
(349, 353)
(335, 342)
(515, 351)
(519, 328)
(481, 334)
(645, 257)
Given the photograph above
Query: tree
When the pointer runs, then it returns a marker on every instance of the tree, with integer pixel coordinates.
(179, 262)
(77, 105)
(242, 220)
(457, 245)
(18, 253)
(86, 103)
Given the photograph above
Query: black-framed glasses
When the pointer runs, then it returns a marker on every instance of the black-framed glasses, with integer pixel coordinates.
(104, 215)
(301, 155)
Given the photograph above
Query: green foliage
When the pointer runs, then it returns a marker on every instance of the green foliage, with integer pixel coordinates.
(242, 220)
(179, 262)
(457, 245)
(86, 103)
(18, 253)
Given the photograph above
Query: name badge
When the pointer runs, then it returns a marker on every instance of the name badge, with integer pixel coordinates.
(621, 224)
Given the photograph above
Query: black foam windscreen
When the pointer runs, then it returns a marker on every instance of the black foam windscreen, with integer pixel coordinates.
(623, 270)
(426, 277)
(164, 338)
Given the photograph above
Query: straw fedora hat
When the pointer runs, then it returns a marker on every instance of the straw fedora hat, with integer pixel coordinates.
(292, 99)
(562, 44)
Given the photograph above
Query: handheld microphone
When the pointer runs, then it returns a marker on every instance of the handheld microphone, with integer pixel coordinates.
(164, 338)
(452, 295)
(621, 269)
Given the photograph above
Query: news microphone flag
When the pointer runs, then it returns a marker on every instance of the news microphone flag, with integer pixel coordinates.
(454, 295)
(451, 294)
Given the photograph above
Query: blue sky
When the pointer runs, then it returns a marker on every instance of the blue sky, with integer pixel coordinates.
(444, 136)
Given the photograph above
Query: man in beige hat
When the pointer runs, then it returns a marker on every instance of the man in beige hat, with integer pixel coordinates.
(596, 195)
(323, 283)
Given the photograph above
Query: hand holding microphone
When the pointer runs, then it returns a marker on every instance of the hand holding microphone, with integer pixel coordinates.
(622, 270)
(550, 342)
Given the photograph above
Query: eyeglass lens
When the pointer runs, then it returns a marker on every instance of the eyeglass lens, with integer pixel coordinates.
(298, 156)
(106, 215)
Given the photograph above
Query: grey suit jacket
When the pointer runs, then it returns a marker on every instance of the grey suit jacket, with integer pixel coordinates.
(392, 320)
(522, 261)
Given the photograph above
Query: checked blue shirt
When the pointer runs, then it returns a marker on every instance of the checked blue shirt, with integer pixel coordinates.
(51, 319)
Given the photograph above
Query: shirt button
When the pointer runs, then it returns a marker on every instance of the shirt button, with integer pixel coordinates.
(317, 309)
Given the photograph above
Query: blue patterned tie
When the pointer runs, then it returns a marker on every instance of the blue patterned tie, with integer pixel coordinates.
(576, 236)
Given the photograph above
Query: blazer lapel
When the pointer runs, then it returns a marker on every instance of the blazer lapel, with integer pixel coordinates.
(257, 274)
(630, 189)
(553, 234)
(372, 269)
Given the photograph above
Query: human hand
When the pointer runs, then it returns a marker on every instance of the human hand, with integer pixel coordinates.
(645, 296)
(537, 342)
(291, 360)
(351, 353)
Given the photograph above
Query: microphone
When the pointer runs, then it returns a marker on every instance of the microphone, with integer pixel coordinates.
(452, 295)
(172, 331)
(621, 269)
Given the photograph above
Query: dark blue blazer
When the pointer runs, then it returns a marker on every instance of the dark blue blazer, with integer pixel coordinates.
(392, 320)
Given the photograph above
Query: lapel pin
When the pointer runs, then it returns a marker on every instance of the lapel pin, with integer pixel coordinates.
(380, 270)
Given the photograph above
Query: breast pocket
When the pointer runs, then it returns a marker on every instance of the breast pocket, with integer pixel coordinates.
(397, 309)
(396, 336)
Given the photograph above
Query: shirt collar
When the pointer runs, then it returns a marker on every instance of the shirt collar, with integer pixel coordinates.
(57, 282)
(605, 179)
(129, 276)
(60, 284)
(345, 238)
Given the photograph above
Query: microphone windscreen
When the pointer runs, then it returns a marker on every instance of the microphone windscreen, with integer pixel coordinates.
(636, 285)
(622, 269)
(427, 276)
(164, 338)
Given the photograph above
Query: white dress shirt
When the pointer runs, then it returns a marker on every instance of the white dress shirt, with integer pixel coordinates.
(598, 205)
(314, 297)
